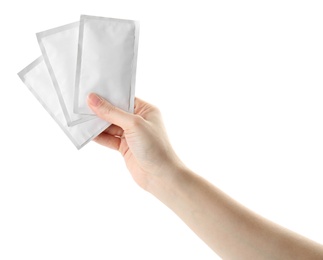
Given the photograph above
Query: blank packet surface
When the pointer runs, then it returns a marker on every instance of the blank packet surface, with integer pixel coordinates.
(106, 62)
(59, 49)
(36, 77)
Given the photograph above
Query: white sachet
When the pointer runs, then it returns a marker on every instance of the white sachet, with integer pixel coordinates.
(106, 62)
(59, 49)
(36, 77)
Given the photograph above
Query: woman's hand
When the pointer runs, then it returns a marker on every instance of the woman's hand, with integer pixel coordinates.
(140, 137)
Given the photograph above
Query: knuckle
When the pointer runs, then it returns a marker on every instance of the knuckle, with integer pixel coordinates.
(137, 121)
(156, 110)
(153, 109)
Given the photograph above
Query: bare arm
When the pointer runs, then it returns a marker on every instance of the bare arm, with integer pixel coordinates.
(230, 229)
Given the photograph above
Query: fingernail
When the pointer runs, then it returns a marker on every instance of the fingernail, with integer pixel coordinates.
(94, 99)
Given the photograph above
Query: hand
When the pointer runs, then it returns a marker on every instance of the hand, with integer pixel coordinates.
(140, 138)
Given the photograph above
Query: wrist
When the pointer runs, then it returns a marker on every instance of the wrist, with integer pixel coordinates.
(167, 185)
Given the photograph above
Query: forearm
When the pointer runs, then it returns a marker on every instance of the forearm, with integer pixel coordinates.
(230, 229)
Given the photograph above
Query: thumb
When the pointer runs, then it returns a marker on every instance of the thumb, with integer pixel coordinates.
(109, 112)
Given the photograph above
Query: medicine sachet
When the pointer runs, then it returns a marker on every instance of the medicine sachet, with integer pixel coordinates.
(106, 62)
(36, 77)
(59, 49)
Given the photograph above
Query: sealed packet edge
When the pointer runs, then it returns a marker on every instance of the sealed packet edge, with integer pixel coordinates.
(22, 75)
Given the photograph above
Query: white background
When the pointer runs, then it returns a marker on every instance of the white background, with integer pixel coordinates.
(240, 86)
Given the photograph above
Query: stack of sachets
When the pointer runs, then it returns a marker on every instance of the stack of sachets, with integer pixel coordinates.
(96, 55)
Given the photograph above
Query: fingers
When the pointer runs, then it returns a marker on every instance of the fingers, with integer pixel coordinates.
(108, 112)
(114, 130)
(146, 110)
(107, 140)
(139, 104)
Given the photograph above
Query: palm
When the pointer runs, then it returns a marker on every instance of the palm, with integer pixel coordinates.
(136, 145)
(143, 146)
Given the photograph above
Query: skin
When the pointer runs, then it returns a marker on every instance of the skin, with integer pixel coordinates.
(227, 227)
